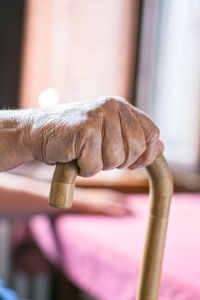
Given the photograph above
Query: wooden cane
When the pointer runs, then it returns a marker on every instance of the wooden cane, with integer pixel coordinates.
(161, 189)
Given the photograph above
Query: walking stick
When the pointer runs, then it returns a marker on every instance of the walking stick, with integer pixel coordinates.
(161, 189)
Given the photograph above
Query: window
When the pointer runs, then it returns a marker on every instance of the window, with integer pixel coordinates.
(78, 49)
(168, 85)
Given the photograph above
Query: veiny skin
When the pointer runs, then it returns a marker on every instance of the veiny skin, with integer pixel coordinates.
(101, 134)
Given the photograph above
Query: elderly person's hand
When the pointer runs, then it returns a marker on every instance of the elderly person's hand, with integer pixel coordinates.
(101, 134)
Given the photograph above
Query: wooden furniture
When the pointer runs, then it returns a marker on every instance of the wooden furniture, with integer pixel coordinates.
(161, 189)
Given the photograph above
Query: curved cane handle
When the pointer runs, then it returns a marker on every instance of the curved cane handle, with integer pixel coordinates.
(161, 189)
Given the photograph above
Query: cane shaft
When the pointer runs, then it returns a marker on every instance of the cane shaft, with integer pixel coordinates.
(161, 189)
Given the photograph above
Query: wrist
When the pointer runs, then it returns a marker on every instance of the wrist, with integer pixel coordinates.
(14, 149)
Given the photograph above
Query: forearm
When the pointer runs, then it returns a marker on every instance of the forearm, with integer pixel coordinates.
(21, 196)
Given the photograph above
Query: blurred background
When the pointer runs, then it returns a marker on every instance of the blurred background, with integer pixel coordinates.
(147, 51)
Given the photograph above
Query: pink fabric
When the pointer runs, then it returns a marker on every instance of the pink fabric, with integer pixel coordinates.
(44, 235)
(102, 254)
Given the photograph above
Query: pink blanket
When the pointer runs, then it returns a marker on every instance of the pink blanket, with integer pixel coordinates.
(102, 254)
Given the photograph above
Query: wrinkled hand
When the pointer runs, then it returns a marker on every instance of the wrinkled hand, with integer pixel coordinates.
(101, 134)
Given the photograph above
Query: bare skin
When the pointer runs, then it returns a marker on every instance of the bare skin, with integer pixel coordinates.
(22, 197)
(100, 134)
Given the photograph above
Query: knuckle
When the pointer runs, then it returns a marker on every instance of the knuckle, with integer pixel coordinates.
(115, 102)
(95, 114)
(111, 103)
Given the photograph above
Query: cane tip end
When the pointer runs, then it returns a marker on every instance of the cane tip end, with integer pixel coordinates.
(61, 195)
